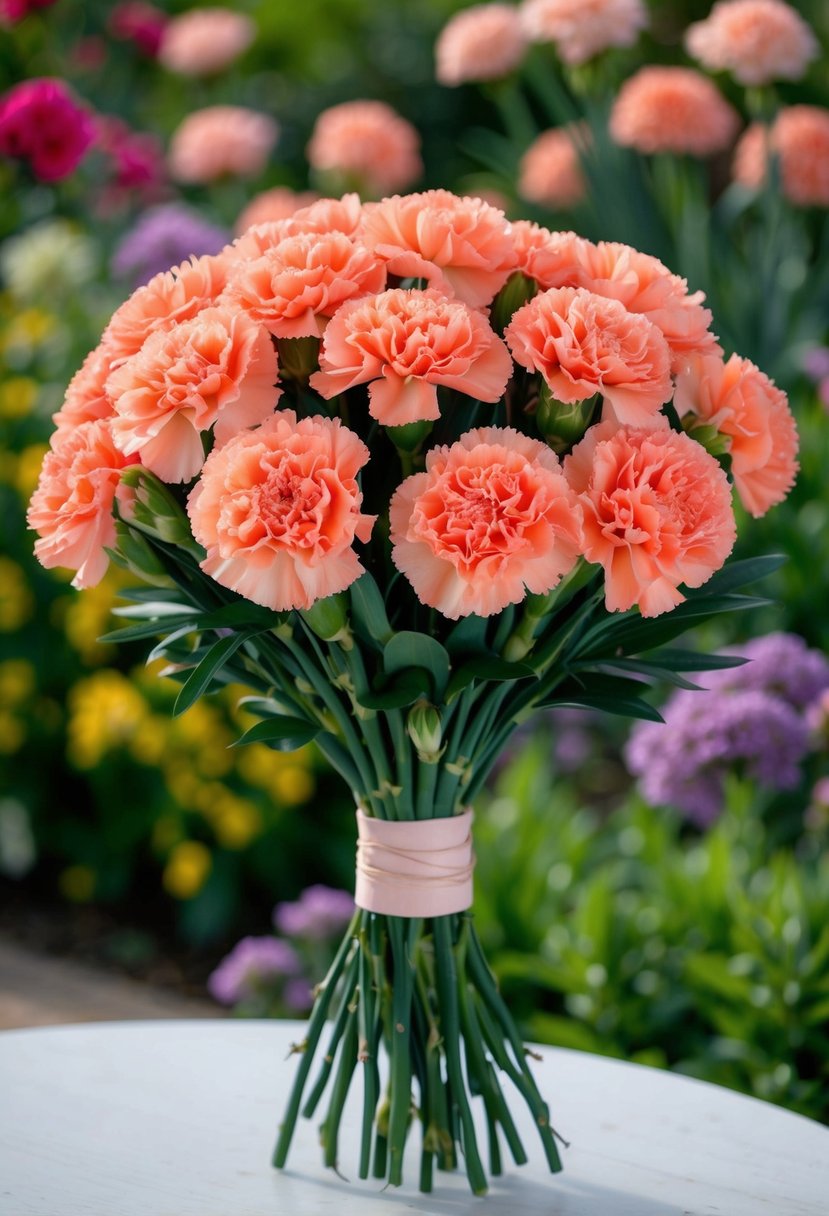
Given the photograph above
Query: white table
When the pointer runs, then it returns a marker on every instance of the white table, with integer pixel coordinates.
(178, 1119)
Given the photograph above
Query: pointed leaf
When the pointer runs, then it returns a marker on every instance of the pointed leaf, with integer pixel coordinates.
(408, 649)
(468, 636)
(402, 691)
(369, 612)
(201, 677)
(283, 734)
(487, 668)
(690, 660)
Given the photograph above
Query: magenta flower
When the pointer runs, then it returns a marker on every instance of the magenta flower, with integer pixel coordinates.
(12, 11)
(140, 23)
(42, 123)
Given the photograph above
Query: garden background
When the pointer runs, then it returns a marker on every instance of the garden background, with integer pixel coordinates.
(662, 898)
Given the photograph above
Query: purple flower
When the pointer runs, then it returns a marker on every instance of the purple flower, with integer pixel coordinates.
(780, 664)
(297, 996)
(164, 237)
(252, 964)
(816, 363)
(319, 913)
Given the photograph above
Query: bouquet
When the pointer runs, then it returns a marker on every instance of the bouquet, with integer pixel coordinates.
(409, 471)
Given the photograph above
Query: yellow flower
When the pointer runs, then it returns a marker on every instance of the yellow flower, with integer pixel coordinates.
(16, 599)
(166, 833)
(28, 330)
(17, 681)
(187, 869)
(77, 883)
(86, 617)
(105, 711)
(17, 396)
(183, 784)
(292, 785)
(12, 733)
(286, 777)
(150, 741)
(236, 821)
(28, 469)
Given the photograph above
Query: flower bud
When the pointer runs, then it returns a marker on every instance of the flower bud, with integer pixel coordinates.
(133, 553)
(409, 438)
(715, 442)
(518, 290)
(328, 619)
(145, 503)
(563, 423)
(425, 731)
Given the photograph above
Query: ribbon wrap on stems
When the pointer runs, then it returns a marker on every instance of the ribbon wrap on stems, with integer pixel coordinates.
(414, 867)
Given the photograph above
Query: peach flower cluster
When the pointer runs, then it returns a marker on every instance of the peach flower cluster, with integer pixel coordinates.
(582, 29)
(670, 109)
(484, 42)
(758, 41)
(278, 203)
(366, 145)
(550, 171)
(799, 138)
(203, 41)
(221, 141)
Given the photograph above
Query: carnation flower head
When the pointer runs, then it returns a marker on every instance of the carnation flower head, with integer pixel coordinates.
(583, 344)
(221, 141)
(325, 215)
(742, 403)
(217, 369)
(581, 29)
(799, 138)
(254, 963)
(657, 513)
(71, 509)
(368, 145)
(551, 259)
(758, 41)
(278, 203)
(41, 122)
(490, 519)
(278, 509)
(404, 344)
(550, 171)
(163, 237)
(299, 283)
(139, 22)
(203, 41)
(86, 398)
(484, 42)
(460, 245)
(318, 914)
(672, 109)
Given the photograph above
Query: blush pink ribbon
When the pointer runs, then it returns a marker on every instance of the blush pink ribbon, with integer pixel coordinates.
(414, 867)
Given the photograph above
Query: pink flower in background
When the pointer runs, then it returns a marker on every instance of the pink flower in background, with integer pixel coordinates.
(671, 109)
(294, 288)
(219, 368)
(138, 22)
(253, 965)
(278, 509)
(758, 41)
(551, 258)
(406, 343)
(799, 137)
(581, 29)
(280, 203)
(460, 245)
(12, 11)
(740, 401)
(490, 519)
(644, 285)
(368, 144)
(221, 141)
(550, 170)
(202, 41)
(657, 513)
(71, 509)
(169, 298)
(484, 42)
(42, 123)
(86, 398)
(584, 344)
(318, 914)
(137, 160)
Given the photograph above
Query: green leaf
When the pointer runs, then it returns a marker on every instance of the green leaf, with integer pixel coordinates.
(630, 632)
(690, 660)
(487, 668)
(283, 734)
(150, 629)
(407, 649)
(369, 612)
(468, 636)
(402, 691)
(741, 574)
(650, 671)
(625, 707)
(201, 677)
(153, 610)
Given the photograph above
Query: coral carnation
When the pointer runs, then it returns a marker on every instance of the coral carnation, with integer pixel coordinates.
(490, 519)
(217, 368)
(670, 109)
(278, 509)
(297, 285)
(584, 344)
(758, 41)
(86, 398)
(280, 203)
(71, 508)
(799, 137)
(742, 403)
(550, 170)
(221, 141)
(657, 513)
(461, 245)
(42, 123)
(552, 259)
(367, 145)
(581, 29)
(205, 40)
(407, 343)
(484, 42)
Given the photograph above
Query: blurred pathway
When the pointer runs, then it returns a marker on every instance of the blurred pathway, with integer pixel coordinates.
(40, 990)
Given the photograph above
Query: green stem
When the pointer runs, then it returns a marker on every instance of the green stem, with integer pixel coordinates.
(427, 776)
(369, 1027)
(330, 1129)
(349, 986)
(401, 1059)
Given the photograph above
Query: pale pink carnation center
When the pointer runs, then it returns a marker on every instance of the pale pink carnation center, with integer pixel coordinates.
(218, 369)
(221, 141)
(462, 246)
(584, 344)
(368, 144)
(741, 402)
(758, 41)
(405, 344)
(550, 171)
(484, 42)
(582, 29)
(490, 519)
(657, 513)
(799, 137)
(71, 508)
(205, 40)
(672, 109)
(278, 509)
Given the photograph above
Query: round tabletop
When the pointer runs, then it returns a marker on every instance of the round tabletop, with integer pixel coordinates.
(178, 1119)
